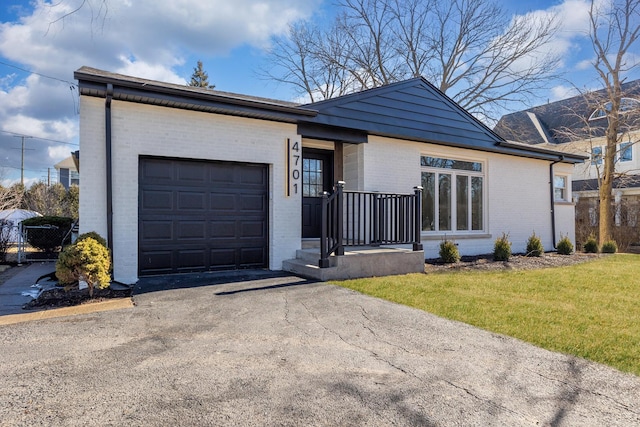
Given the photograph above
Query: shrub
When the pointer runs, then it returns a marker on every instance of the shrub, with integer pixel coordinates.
(534, 245)
(591, 245)
(565, 247)
(94, 236)
(86, 260)
(449, 252)
(609, 247)
(47, 239)
(502, 248)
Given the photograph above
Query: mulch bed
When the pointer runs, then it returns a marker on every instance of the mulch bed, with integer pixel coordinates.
(516, 262)
(59, 297)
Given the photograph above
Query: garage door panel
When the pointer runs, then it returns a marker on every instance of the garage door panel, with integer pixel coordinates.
(222, 229)
(252, 256)
(156, 262)
(252, 229)
(207, 216)
(254, 176)
(222, 202)
(252, 202)
(191, 230)
(222, 258)
(192, 201)
(157, 170)
(223, 173)
(191, 259)
(157, 230)
(157, 199)
(191, 173)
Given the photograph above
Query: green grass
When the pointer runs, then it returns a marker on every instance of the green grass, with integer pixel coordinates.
(590, 310)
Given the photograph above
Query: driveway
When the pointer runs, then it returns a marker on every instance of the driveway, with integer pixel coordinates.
(279, 350)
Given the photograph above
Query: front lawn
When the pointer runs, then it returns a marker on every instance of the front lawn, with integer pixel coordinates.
(590, 310)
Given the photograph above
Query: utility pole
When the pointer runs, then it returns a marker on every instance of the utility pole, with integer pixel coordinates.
(22, 159)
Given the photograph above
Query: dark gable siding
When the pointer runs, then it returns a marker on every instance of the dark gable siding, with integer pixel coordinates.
(413, 110)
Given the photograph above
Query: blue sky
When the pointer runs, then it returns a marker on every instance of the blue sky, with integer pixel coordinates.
(163, 40)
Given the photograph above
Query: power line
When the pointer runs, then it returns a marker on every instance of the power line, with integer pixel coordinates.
(37, 137)
(38, 74)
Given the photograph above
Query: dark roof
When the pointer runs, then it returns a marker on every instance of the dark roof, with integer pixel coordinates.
(630, 181)
(561, 121)
(411, 110)
(94, 82)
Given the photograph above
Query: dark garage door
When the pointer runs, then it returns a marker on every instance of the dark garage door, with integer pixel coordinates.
(200, 216)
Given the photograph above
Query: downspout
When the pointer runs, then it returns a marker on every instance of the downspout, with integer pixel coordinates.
(107, 121)
(553, 200)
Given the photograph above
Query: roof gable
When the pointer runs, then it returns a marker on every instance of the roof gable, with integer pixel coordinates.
(561, 121)
(412, 109)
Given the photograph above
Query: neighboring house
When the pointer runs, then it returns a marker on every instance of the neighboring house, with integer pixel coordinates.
(577, 125)
(69, 170)
(186, 179)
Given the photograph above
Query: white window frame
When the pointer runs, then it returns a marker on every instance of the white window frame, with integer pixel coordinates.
(453, 208)
(564, 188)
(622, 147)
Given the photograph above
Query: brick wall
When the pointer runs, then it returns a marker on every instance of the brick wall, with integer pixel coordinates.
(139, 129)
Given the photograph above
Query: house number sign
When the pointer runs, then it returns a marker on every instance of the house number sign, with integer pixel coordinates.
(293, 167)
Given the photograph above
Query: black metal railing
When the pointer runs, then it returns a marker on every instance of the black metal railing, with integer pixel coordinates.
(364, 218)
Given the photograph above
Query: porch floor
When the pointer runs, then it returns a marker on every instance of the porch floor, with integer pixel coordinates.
(357, 262)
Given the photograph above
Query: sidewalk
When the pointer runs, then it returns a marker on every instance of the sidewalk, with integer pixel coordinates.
(11, 291)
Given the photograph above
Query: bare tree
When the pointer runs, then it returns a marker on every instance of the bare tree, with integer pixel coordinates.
(471, 49)
(614, 31)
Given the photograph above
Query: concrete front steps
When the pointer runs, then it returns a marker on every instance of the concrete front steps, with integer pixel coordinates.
(356, 262)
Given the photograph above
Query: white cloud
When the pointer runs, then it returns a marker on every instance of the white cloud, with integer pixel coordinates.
(146, 38)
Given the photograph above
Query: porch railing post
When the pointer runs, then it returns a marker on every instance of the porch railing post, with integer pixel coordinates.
(340, 218)
(417, 220)
(324, 256)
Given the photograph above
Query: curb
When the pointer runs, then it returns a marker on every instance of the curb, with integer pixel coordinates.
(114, 304)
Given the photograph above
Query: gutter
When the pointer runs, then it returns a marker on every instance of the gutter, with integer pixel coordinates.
(107, 124)
(553, 200)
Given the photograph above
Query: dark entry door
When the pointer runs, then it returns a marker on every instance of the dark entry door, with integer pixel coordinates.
(317, 176)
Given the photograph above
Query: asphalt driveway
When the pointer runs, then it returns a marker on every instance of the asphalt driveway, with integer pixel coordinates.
(279, 350)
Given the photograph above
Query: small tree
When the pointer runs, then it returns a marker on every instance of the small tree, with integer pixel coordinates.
(534, 246)
(502, 248)
(200, 78)
(87, 260)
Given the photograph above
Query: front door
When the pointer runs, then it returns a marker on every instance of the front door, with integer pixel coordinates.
(317, 177)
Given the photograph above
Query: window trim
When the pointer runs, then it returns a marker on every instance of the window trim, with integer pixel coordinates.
(454, 173)
(565, 188)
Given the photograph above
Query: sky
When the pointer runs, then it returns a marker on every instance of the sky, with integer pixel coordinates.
(40, 49)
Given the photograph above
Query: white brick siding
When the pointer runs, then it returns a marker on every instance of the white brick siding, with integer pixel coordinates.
(517, 199)
(139, 129)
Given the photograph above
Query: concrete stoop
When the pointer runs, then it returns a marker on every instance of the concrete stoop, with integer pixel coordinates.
(356, 262)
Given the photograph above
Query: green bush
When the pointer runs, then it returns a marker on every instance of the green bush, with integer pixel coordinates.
(591, 245)
(609, 247)
(449, 252)
(86, 260)
(94, 236)
(47, 239)
(534, 246)
(502, 248)
(565, 247)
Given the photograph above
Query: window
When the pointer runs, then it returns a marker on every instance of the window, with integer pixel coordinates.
(560, 190)
(312, 178)
(596, 155)
(452, 197)
(626, 104)
(626, 152)
(75, 177)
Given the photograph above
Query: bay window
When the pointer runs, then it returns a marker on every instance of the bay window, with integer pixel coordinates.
(452, 197)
